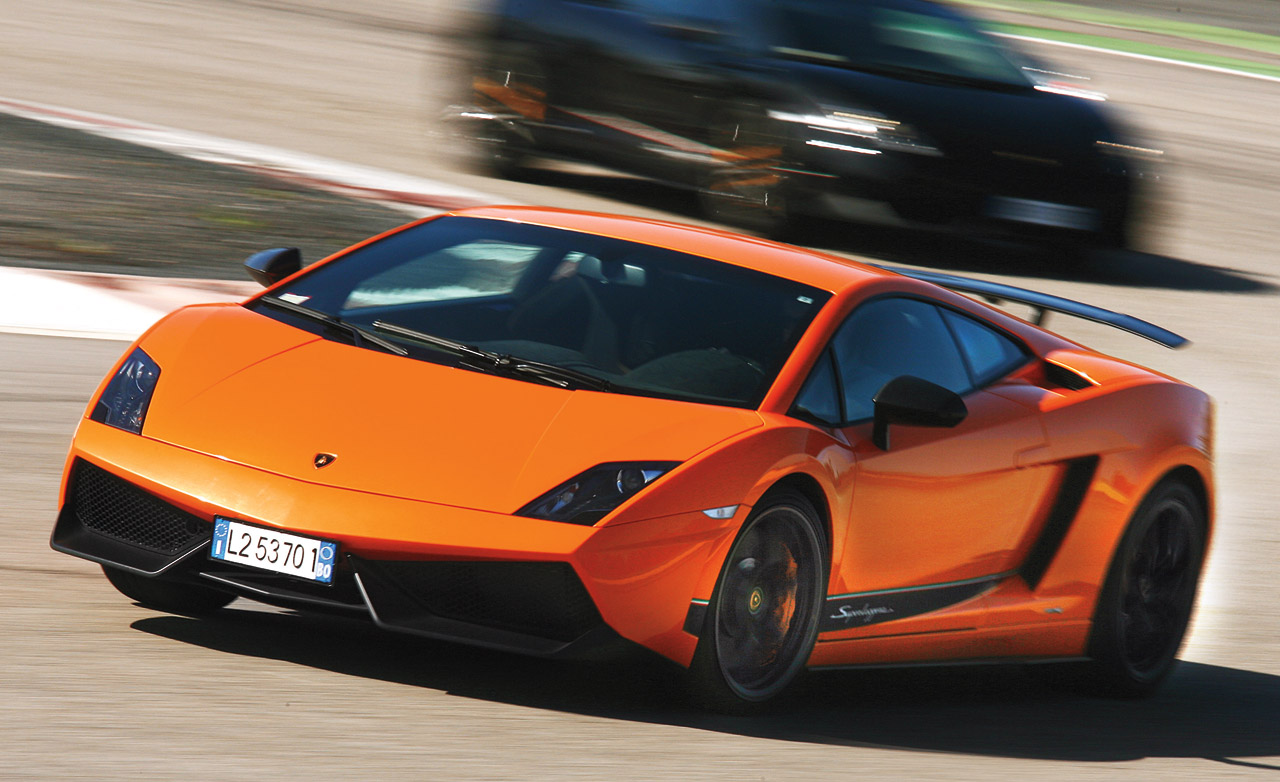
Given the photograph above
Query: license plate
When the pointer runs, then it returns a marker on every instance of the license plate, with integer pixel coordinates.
(1026, 210)
(265, 548)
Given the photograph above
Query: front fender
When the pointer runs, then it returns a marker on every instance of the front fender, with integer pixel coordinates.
(647, 567)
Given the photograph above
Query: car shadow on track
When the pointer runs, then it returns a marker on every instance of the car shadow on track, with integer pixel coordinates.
(1205, 711)
(937, 250)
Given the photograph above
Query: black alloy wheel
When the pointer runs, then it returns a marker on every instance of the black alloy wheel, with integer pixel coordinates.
(174, 597)
(1146, 602)
(762, 622)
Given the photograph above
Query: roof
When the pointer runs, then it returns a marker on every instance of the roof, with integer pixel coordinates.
(820, 270)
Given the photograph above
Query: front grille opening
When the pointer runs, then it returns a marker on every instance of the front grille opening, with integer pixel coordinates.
(543, 599)
(113, 507)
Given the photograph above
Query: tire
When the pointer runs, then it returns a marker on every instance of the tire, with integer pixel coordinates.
(510, 83)
(762, 620)
(1145, 605)
(174, 597)
(746, 186)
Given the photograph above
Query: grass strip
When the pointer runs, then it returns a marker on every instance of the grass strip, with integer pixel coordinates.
(1225, 36)
(1133, 47)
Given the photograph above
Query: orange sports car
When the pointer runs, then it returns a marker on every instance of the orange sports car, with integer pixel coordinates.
(542, 431)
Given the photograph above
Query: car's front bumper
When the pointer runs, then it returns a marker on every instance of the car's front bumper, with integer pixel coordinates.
(490, 579)
(1092, 200)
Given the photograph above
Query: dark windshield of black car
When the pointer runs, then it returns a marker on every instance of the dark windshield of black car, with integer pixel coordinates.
(905, 39)
(645, 320)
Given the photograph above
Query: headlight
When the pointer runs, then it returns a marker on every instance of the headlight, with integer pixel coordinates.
(123, 403)
(861, 127)
(590, 496)
(1115, 149)
(1056, 83)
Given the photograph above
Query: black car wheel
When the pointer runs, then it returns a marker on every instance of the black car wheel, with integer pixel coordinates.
(746, 185)
(762, 621)
(509, 84)
(174, 597)
(1146, 602)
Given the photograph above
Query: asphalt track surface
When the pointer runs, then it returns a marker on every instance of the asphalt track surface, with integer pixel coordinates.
(92, 687)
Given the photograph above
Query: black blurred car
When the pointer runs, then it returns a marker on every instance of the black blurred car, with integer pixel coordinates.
(775, 108)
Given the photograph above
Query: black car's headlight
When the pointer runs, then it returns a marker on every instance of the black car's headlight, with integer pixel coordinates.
(124, 402)
(1116, 149)
(852, 131)
(590, 496)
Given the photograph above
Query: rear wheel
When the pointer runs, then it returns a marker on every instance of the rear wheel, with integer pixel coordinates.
(762, 621)
(1146, 602)
(174, 597)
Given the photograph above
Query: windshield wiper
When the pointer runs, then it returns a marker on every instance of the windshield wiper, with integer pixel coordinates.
(548, 373)
(358, 334)
(452, 346)
(556, 374)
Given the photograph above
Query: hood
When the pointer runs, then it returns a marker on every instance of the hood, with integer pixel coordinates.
(963, 120)
(243, 387)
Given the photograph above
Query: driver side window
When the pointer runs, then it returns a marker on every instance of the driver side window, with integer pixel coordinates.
(881, 340)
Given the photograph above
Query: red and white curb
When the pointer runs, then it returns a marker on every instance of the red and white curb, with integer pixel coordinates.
(416, 196)
(113, 306)
(100, 306)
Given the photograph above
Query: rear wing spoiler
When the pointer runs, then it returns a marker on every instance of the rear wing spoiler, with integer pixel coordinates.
(1043, 304)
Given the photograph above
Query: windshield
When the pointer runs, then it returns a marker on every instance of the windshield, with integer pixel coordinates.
(630, 318)
(904, 39)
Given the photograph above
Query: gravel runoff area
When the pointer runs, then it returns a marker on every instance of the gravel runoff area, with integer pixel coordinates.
(72, 200)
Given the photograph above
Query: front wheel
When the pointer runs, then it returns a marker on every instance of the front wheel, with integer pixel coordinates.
(762, 621)
(509, 85)
(746, 185)
(1146, 602)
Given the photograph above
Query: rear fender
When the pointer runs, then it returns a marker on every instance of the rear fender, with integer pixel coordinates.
(1167, 428)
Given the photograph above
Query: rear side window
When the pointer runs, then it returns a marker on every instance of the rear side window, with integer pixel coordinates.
(989, 353)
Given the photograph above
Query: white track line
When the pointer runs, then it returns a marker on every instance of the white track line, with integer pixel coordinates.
(1147, 57)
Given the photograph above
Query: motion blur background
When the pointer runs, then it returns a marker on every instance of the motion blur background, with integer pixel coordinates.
(93, 687)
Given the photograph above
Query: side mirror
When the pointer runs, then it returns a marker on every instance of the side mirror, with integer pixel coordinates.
(914, 401)
(271, 266)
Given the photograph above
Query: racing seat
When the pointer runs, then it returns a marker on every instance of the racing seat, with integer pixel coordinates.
(567, 313)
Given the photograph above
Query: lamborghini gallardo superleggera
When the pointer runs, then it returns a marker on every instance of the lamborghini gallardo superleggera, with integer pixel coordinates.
(546, 431)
